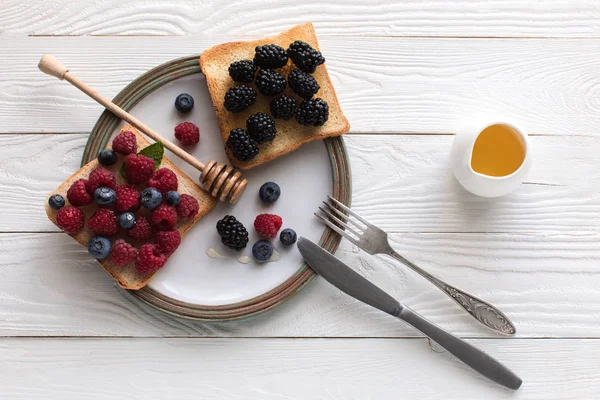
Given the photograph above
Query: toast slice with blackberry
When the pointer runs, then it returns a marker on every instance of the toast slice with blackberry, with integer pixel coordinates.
(127, 276)
(290, 134)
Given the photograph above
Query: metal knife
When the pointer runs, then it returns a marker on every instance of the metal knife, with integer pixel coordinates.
(347, 280)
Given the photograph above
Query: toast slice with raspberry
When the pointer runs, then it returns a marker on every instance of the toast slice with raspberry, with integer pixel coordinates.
(290, 134)
(126, 276)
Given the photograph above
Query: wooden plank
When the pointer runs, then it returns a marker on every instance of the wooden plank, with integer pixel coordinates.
(549, 285)
(384, 84)
(551, 18)
(401, 183)
(288, 369)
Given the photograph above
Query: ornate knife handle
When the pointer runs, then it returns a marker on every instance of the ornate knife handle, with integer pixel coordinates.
(482, 311)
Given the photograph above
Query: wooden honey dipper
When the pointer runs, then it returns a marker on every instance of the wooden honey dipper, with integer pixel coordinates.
(220, 179)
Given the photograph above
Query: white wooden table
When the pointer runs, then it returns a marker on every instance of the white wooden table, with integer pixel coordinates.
(407, 74)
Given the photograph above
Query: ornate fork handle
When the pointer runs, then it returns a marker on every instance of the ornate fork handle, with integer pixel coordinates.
(482, 311)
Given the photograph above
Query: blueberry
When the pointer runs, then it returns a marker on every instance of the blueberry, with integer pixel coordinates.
(262, 250)
(99, 247)
(105, 196)
(173, 198)
(151, 198)
(127, 220)
(288, 236)
(107, 157)
(269, 192)
(56, 201)
(184, 103)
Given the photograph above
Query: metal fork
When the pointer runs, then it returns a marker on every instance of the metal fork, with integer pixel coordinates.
(375, 241)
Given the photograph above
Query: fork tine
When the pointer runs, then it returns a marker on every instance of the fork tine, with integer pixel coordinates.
(339, 221)
(345, 208)
(336, 228)
(343, 216)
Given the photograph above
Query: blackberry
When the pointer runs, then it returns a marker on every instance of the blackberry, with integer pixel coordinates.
(270, 56)
(313, 112)
(242, 71)
(303, 84)
(283, 107)
(270, 82)
(261, 127)
(304, 56)
(233, 234)
(239, 98)
(243, 147)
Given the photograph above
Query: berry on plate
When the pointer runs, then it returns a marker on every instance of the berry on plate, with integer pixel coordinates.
(125, 143)
(77, 193)
(283, 107)
(141, 230)
(127, 220)
(70, 219)
(184, 103)
(164, 180)
(104, 222)
(100, 177)
(56, 201)
(173, 198)
(122, 253)
(270, 82)
(243, 147)
(242, 71)
(187, 133)
(305, 56)
(270, 56)
(107, 157)
(233, 233)
(262, 250)
(149, 259)
(164, 217)
(268, 225)
(138, 168)
(167, 241)
(312, 112)
(238, 98)
(128, 199)
(151, 198)
(288, 236)
(269, 192)
(261, 127)
(105, 196)
(188, 206)
(99, 247)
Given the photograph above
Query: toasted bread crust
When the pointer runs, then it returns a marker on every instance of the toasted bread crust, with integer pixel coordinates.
(290, 135)
(126, 276)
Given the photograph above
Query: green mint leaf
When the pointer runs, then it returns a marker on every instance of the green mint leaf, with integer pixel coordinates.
(155, 151)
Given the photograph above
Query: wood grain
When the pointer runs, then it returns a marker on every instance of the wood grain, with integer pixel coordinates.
(551, 18)
(385, 85)
(549, 285)
(273, 369)
(401, 183)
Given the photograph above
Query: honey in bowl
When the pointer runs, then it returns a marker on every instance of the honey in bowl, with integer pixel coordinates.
(499, 150)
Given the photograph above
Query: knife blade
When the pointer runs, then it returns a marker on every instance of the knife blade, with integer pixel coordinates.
(350, 282)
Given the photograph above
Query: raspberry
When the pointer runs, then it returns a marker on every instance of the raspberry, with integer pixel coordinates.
(128, 199)
(122, 253)
(138, 168)
(167, 241)
(104, 222)
(164, 180)
(149, 259)
(187, 133)
(164, 217)
(78, 195)
(70, 219)
(125, 143)
(268, 225)
(188, 206)
(100, 177)
(141, 230)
